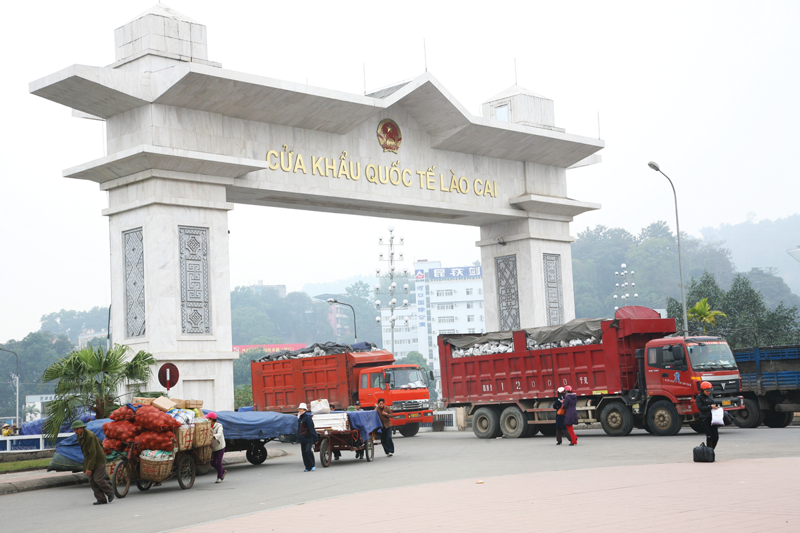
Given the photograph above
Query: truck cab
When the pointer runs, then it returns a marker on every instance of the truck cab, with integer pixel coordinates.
(405, 390)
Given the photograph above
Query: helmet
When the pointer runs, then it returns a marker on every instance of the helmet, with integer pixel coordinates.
(706, 385)
(561, 389)
(212, 415)
(568, 388)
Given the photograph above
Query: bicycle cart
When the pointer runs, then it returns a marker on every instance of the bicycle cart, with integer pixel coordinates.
(331, 440)
(144, 473)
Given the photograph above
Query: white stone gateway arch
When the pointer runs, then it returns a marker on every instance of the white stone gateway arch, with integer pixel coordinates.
(187, 140)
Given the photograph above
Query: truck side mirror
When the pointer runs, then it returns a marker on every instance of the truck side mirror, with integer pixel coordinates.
(430, 374)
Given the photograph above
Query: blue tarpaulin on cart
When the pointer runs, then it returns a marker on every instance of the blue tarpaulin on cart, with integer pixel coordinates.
(34, 427)
(70, 448)
(365, 422)
(255, 424)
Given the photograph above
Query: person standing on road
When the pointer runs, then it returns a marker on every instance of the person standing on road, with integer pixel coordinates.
(561, 427)
(306, 436)
(705, 404)
(94, 463)
(217, 446)
(570, 404)
(385, 413)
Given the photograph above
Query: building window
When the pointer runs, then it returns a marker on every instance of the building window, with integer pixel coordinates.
(471, 330)
(446, 292)
(501, 113)
(444, 307)
(469, 292)
(447, 319)
(470, 318)
(470, 305)
(447, 332)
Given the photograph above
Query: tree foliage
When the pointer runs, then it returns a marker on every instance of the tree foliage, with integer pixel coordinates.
(243, 396)
(72, 323)
(703, 313)
(416, 358)
(92, 379)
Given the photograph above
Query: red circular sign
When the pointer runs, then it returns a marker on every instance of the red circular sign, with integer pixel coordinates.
(168, 375)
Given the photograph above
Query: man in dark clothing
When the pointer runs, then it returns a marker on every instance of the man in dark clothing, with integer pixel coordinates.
(561, 427)
(94, 463)
(705, 404)
(385, 413)
(306, 437)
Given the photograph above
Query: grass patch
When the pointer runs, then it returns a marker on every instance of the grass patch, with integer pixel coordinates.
(24, 465)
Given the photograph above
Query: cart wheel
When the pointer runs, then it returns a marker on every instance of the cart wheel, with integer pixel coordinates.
(325, 453)
(202, 468)
(256, 454)
(143, 485)
(186, 471)
(121, 480)
(369, 450)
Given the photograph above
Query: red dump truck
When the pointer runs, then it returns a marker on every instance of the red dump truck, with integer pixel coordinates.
(626, 374)
(344, 379)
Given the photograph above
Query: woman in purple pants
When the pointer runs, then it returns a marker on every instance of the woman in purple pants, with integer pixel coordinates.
(217, 447)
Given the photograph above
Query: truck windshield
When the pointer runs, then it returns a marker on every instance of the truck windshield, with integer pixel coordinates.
(711, 355)
(406, 378)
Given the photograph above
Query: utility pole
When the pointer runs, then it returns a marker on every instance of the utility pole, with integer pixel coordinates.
(16, 377)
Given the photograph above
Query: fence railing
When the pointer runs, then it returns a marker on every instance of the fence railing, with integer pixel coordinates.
(28, 443)
(448, 417)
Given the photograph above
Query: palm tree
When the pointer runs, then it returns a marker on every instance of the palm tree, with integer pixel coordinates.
(702, 313)
(90, 380)
(31, 410)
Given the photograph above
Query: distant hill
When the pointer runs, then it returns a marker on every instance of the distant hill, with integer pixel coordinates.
(336, 287)
(762, 245)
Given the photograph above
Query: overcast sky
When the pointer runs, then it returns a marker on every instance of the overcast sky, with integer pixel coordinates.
(709, 90)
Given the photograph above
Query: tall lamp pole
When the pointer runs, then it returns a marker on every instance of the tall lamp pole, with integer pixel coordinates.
(17, 380)
(332, 301)
(654, 166)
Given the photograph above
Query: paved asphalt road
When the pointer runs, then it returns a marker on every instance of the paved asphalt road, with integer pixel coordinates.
(426, 458)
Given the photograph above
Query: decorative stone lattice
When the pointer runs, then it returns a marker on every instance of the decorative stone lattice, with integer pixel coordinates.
(134, 283)
(195, 291)
(552, 286)
(507, 292)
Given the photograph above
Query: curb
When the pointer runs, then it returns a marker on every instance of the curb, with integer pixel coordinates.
(80, 478)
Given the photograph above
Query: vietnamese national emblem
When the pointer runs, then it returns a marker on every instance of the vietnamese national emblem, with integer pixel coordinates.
(389, 135)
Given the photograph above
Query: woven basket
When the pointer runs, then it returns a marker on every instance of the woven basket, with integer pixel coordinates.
(185, 436)
(202, 433)
(202, 455)
(154, 470)
(111, 467)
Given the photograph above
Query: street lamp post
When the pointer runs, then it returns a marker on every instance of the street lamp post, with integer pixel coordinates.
(390, 275)
(654, 166)
(332, 301)
(17, 380)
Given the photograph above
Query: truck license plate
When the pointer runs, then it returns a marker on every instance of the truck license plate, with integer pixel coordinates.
(726, 402)
(417, 415)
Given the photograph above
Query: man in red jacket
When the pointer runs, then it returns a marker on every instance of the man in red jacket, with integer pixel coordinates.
(385, 412)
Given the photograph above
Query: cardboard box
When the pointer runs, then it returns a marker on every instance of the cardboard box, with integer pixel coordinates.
(180, 404)
(193, 404)
(163, 404)
(142, 401)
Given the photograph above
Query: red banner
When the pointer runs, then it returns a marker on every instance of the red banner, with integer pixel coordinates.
(268, 347)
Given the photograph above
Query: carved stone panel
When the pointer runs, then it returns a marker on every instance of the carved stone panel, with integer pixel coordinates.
(195, 290)
(553, 289)
(507, 292)
(134, 283)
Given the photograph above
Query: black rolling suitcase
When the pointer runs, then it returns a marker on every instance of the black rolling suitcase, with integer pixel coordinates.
(703, 454)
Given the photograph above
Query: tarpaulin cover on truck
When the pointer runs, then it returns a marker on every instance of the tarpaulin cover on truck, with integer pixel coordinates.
(34, 427)
(256, 424)
(317, 350)
(580, 328)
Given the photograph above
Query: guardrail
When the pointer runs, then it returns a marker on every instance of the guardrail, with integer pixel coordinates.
(28, 443)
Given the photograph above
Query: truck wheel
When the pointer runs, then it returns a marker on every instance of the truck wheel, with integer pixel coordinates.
(513, 423)
(749, 417)
(616, 419)
(663, 419)
(698, 427)
(256, 454)
(409, 430)
(485, 423)
(774, 419)
(325, 453)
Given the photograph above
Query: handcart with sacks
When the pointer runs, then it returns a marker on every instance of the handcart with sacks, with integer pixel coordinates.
(346, 431)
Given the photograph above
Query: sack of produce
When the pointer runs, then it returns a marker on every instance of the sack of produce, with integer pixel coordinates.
(123, 430)
(113, 445)
(154, 440)
(320, 407)
(123, 413)
(152, 419)
(184, 416)
(157, 455)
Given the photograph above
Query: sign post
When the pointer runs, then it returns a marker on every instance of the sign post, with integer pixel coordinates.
(168, 375)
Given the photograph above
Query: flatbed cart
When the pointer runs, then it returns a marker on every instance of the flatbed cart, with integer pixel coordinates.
(331, 440)
(183, 466)
(250, 431)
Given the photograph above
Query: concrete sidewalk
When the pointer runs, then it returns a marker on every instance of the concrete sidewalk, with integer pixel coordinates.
(747, 495)
(14, 482)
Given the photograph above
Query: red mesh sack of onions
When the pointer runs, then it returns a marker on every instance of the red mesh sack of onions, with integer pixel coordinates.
(150, 418)
(154, 440)
(123, 413)
(123, 430)
(113, 445)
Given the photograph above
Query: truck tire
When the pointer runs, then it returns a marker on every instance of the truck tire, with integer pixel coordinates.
(256, 454)
(749, 417)
(409, 430)
(774, 419)
(513, 423)
(486, 423)
(616, 419)
(663, 419)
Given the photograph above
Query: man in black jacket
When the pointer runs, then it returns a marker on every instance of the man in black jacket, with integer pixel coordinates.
(705, 404)
(306, 437)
